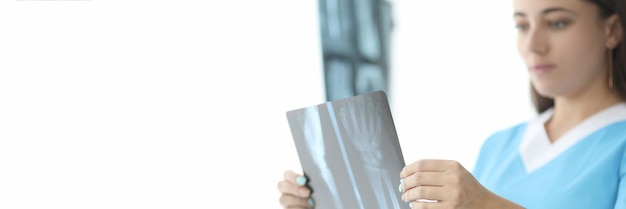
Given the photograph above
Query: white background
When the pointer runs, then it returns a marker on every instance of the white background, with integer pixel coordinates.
(181, 104)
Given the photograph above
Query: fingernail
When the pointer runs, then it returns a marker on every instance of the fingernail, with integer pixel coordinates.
(401, 180)
(301, 180)
(400, 188)
(410, 205)
(310, 201)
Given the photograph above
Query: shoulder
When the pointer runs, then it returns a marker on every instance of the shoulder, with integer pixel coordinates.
(502, 144)
(614, 141)
(614, 135)
(504, 137)
(613, 121)
(510, 137)
(617, 129)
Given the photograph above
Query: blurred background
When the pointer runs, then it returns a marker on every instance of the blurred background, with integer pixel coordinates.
(181, 104)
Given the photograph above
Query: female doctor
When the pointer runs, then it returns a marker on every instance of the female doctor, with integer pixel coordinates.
(572, 155)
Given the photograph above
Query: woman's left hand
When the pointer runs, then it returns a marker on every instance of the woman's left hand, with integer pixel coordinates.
(446, 183)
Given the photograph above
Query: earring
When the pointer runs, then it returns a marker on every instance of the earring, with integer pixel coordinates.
(610, 63)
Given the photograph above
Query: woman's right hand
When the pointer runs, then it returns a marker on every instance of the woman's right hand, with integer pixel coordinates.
(294, 192)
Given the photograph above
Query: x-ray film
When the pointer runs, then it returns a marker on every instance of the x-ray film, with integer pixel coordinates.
(349, 151)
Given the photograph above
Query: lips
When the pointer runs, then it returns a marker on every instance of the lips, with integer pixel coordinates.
(542, 68)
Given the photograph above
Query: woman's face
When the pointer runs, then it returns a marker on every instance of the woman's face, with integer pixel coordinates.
(563, 43)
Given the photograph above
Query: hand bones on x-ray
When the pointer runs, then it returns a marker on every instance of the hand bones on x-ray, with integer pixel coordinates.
(366, 134)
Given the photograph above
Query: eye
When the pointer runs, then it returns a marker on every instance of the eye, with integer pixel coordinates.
(521, 27)
(558, 24)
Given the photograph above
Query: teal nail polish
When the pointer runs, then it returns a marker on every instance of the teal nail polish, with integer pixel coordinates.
(301, 180)
(401, 180)
(400, 188)
(310, 201)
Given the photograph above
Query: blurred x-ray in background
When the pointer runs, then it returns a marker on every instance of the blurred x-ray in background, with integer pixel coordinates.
(355, 45)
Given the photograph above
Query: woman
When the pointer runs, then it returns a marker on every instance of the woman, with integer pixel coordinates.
(573, 155)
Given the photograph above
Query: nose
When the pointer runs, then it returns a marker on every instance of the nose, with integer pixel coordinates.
(537, 41)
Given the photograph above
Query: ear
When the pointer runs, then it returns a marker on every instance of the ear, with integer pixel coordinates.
(614, 31)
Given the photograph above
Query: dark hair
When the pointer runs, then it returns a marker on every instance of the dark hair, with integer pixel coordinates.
(607, 8)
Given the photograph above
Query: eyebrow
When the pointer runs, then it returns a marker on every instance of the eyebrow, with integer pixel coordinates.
(547, 11)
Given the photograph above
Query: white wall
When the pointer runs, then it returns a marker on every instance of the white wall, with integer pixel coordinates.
(180, 104)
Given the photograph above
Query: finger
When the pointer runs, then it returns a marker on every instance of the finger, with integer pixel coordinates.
(290, 201)
(425, 192)
(426, 205)
(425, 165)
(295, 178)
(287, 187)
(423, 179)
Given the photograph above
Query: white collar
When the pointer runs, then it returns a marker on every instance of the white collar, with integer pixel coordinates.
(536, 149)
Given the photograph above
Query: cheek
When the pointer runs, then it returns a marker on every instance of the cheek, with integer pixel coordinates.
(522, 48)
(579, 53)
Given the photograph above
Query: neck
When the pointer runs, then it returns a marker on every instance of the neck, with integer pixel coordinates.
(581, 106)
(575, 108)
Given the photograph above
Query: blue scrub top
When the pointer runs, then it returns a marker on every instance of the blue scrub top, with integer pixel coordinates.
(584, 168)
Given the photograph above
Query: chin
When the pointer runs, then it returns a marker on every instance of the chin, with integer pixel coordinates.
(546, 91)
